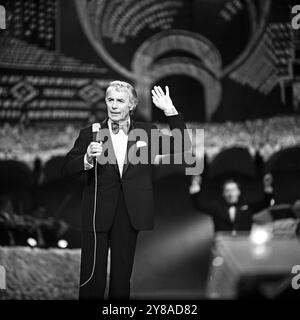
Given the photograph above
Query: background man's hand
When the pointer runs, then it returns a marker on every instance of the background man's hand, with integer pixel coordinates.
(268, 183)
(195, 186)
(163, 101)
(93, 150)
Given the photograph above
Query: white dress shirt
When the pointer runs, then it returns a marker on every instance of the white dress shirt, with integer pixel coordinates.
(232, 213)
(119, 142)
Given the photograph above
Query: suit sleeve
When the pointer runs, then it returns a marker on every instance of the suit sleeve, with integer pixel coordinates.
(74, 160)
(264, 203)
(282, 211)
(196, 200)
(175, 143)
(199, 201)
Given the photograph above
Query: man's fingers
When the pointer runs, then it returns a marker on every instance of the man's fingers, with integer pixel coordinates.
(160, 91)
(154, 94)
(96, 149)
(156, 102)
(95, 143)
(98, 154)
(157, 93)
(167, 90)
(157, 90)
(154, 99)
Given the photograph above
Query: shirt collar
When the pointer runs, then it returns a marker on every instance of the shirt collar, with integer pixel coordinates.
(109, 122)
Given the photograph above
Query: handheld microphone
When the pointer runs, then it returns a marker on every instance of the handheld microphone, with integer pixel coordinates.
(96, 132)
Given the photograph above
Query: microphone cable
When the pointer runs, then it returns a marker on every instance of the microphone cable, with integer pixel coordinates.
(95, 128)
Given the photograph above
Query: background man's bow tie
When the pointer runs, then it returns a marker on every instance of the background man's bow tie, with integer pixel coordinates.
(115, 127)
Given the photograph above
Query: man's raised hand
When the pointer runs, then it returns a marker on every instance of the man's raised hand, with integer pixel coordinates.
(162, 100)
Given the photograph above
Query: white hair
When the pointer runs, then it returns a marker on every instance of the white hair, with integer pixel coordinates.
(119, 85)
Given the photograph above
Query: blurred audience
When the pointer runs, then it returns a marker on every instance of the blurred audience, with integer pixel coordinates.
(6, 226)
(284, 219)
(17, 229)
(263, 138)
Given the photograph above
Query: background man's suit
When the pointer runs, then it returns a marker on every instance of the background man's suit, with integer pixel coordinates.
(125, 205)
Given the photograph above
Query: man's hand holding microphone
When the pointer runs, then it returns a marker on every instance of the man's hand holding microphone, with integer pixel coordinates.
(94, 150)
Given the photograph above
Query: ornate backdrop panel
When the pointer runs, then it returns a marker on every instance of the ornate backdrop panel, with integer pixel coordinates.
(223, 60)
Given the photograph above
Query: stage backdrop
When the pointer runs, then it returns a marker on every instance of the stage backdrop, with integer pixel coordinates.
(223, 59)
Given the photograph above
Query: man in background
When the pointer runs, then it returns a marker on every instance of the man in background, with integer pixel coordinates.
(232, 213)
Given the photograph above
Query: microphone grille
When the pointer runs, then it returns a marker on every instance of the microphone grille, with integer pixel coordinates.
(96, 127)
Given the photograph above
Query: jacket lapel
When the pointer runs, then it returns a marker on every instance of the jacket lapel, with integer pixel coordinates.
(108, 140)
(131, 146)
(226, 216)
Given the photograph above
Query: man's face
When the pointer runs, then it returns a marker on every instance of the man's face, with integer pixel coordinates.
(118, 104)
(231, 192)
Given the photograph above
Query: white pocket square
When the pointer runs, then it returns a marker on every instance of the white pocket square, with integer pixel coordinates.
(244, 207)
(140, 144)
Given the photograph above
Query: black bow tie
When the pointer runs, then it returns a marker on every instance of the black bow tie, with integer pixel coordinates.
(115, 127)
(228, 205)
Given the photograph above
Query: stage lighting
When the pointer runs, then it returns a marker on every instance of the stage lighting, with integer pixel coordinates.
(32, 242)
(62, 243)
(217, 261)
(260, 235)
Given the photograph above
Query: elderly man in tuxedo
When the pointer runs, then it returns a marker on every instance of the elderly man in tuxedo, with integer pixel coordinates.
(117, 199)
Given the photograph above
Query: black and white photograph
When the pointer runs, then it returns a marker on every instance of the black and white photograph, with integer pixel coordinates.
(149, 153)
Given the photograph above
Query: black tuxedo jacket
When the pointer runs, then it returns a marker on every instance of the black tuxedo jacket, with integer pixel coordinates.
(136, 180)
(221, 218)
